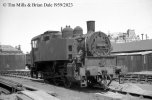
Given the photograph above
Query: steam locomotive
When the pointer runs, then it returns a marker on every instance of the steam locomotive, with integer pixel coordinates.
(70, 56)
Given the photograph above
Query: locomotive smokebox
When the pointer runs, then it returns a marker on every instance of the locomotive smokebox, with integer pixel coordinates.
(90, 26)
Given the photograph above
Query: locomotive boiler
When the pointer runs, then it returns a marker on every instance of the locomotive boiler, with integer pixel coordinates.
(70, 56)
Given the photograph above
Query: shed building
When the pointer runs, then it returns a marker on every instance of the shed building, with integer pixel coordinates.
(11, 58)
(136, 56)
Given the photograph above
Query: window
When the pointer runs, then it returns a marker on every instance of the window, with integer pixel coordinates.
(70, 47)
(35, 43)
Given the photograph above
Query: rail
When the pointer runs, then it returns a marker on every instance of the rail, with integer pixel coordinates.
(136, 78)
(130, 77)
(10, 85)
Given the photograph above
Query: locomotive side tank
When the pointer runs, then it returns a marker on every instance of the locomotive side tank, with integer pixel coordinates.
(49, 48)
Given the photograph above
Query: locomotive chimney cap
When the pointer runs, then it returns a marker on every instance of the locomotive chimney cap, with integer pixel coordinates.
(90, 21)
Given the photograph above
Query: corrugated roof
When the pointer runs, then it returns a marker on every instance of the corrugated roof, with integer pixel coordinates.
(143, 45)
(134, 53)
(8, 49)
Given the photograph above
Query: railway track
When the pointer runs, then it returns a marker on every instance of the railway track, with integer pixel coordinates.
(137, 77)
(26, 75)
(21, 73)
(12, 90)
(9, 87)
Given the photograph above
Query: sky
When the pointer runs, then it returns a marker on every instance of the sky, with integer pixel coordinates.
(18, 25)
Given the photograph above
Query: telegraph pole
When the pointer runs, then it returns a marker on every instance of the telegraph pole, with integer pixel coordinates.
(142, 36)
(146, 36)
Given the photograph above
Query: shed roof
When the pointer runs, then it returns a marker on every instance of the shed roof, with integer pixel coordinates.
(137, 46)
(9, 49)
(133, 53)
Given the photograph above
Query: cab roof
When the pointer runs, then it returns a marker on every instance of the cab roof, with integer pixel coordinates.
(46, 32)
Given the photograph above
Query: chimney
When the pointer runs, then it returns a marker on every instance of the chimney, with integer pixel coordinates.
(90, 26)
(146, 36)
(142, 36)
(61, 29)
(19, 47)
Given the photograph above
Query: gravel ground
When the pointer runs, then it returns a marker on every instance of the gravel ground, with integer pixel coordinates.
(62, 93)
(78, 93)
(145, 87)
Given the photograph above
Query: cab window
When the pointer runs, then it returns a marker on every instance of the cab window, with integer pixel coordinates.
(35, 43)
